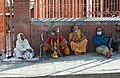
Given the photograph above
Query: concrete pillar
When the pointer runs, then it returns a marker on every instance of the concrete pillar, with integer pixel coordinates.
(22, 17)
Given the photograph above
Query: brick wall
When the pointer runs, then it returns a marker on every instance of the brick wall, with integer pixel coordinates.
(87, 29)
(22, 17)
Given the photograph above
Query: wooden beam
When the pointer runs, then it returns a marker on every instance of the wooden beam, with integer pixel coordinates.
(73, 8)
(66, 9)
(69, 8)
(76, 8)
(83, 8)
(53, 9)
(35, 8)
(90, 8)
(38, 8)
(94, 11)
(63, 9)
(87, 8)
(40, 13)
(47, 8)
(101, 8)
(56, 8)
(79, 9)
(43, 9)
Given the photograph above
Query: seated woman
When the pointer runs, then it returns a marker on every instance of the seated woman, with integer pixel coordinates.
(116, 38)
(100, 42)
(23, 49)
(77, 40)
(56, 45)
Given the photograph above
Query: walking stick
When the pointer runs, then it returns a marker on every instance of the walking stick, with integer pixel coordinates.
(41, 36)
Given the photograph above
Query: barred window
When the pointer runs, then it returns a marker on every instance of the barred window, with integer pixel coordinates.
(76, 8)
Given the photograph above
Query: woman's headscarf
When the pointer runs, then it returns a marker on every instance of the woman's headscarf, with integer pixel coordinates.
(19, 38)
(78, 35)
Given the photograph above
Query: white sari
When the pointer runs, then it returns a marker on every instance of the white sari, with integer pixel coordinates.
(21, 46)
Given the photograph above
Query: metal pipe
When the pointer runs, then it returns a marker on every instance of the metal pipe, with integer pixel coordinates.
(11, 29)
(35, 8)
(101, 8)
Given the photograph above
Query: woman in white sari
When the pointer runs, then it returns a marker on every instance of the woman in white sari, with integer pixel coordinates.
(23, 49)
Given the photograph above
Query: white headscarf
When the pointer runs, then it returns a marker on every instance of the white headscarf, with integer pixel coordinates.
(23, 45)
(19, 39)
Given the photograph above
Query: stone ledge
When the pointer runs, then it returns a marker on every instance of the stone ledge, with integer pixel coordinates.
(74, 21)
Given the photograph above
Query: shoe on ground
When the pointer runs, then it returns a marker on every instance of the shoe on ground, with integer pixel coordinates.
(21, 58)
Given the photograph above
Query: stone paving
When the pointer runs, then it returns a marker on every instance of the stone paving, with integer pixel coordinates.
(88, 65)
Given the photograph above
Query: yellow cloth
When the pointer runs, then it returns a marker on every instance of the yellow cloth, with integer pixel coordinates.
(79, 34)
(66, 49)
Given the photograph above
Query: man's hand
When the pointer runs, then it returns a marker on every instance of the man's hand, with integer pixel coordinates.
(58, 50)
(23, 52)
(30, 50)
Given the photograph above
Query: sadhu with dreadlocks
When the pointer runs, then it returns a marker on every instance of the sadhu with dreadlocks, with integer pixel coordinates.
(56, 45)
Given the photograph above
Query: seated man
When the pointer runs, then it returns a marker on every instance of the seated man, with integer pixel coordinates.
(77, 40)
(23, 49)
(116, 38)
(101, 41)
(56, 45)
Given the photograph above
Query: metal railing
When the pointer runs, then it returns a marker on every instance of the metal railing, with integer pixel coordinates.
(76, 8)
